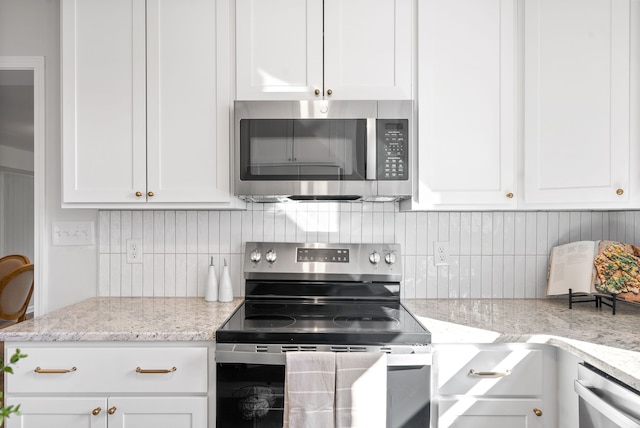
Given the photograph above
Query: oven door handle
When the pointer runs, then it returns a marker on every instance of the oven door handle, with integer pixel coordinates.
(585, 392)
(268, 358)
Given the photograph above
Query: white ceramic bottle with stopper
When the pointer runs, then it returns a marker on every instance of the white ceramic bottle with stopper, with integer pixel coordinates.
(226, 290)
(211, 292)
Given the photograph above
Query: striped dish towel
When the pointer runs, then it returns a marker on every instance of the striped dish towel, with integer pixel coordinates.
(361, 390)
(309, 390)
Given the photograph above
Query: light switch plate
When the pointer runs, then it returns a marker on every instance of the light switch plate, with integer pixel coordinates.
(73, 233)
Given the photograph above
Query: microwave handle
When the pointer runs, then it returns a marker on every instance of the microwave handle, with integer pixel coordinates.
(372, 143)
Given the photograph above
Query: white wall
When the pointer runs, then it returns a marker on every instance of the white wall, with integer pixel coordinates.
(32, 28)
(16, 214)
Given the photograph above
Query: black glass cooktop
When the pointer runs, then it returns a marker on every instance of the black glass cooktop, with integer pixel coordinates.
(347, 322)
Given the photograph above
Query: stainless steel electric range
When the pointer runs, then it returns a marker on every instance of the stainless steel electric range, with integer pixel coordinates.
(319, 297)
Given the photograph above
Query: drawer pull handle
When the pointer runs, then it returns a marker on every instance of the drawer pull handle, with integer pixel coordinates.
(96, 411)
(49, 371)
(537, 411)
(490, 374)
(112, 410)
(158, 371)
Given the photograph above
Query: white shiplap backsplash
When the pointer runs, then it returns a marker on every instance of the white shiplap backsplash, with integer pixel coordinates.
(492, 254)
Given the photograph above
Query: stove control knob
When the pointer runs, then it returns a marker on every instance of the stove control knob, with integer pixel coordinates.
(271, 256)
(255, 256)
(374, 258)
(390, 258)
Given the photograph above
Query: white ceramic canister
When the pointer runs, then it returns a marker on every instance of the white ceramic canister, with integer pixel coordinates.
(226, 290)
(211, 292)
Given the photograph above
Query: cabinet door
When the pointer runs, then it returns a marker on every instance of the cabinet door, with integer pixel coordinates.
(467, 109)
(576, 101)
(367, 49)
(470, 412)
(47, 412)
(103, 93)
(158, 412)
(278, 49)
(188, 135)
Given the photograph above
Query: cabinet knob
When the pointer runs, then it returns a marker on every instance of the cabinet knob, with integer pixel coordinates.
(149, 194)
(112, 410)
(96, 411)
(509, 195)
(317, 92)
(619, 192)
(329, 92)
(537, 411)
(138, 194)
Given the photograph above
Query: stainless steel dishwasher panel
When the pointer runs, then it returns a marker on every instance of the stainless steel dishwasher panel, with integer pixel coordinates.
(605, 402)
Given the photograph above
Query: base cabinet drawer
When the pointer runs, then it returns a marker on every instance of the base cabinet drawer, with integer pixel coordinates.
(467, 370)
(109, 370)
(109, 412)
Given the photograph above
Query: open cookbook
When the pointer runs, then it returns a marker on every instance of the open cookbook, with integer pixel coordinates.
(591, 267)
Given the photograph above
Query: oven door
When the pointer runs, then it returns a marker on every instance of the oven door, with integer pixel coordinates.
(250, 388)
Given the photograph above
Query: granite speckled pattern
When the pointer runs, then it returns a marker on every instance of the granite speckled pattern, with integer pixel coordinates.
(594, 335)
(127, 319)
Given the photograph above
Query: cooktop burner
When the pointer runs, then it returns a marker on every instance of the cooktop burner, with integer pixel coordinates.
(322, 322)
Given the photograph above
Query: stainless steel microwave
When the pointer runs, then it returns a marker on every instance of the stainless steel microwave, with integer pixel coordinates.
(323, 150)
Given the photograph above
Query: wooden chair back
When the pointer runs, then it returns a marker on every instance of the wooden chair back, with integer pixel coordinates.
(12, 262)
(16, 289)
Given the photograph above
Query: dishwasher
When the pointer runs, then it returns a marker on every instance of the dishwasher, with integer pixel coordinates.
(605, 402)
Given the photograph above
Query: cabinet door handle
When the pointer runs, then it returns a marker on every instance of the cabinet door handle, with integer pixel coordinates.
(96, 411)
(155, 371)
(619, 192)
(138, 194)
(317, 92)
(150, 194)
(49, 371)
(509, 195)
(537, 411)
(490, 374)
(112, 410)
(329, 92)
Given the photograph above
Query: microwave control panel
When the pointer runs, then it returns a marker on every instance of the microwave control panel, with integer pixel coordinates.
(393, 149)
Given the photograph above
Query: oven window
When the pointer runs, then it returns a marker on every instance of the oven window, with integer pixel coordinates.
(303, 149)
(249, 395)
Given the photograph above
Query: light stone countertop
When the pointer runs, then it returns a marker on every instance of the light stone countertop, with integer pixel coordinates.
(594, 335)
(609, 342)
(126, 319)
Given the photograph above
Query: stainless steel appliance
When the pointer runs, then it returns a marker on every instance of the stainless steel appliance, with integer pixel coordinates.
(319, 297)
(323, 150)
(605, 402)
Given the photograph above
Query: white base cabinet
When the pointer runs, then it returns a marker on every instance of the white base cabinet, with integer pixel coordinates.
(109, 412)
(494, 386)
(111, 385)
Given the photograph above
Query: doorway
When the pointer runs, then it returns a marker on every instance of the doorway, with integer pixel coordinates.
(22, 171)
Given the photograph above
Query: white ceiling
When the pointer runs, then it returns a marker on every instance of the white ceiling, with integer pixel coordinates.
(16, 109)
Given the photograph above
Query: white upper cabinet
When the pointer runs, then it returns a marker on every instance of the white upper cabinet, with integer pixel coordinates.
(466, 104)
(577, 150)
(145, 107)
(365, 52)
(103, 100)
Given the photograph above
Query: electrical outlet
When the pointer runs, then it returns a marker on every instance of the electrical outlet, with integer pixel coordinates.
(134, 250)
(441, 253)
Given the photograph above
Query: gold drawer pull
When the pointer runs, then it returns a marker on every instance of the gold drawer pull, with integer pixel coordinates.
(157, 371)
(537, 411)
(48, 371)
(490, 374)
(96, 411)
(112, 410)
